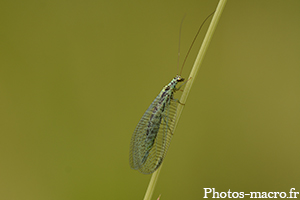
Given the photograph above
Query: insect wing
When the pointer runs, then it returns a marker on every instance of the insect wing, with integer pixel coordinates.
(146, 155)
(137, 145)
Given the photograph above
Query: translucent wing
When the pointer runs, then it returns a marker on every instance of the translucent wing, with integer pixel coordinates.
(151, 138)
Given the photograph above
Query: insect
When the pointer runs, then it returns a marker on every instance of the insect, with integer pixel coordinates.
(152, 136)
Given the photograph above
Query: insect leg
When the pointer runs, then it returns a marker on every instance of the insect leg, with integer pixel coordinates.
(177, 101)
(176, 89)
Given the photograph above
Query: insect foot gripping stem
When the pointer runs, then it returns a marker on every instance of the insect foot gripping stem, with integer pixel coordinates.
(180, 103)
(177, 101)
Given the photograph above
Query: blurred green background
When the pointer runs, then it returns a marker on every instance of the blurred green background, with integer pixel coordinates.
(76, 76)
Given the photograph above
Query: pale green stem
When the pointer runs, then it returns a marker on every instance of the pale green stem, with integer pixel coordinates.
(190, 82)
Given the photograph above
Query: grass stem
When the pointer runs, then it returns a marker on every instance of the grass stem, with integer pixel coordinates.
(189, 84)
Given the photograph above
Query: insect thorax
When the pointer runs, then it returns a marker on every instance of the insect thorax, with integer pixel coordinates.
(173, 83)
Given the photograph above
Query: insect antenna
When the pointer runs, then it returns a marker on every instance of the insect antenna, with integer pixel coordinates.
(179, 43)
(194, 40)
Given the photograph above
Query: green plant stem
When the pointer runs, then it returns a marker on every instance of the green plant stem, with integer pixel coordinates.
(189, 84)
(152, 184)
(200, 56)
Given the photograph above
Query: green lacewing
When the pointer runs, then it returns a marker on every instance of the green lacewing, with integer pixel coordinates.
(152, 136)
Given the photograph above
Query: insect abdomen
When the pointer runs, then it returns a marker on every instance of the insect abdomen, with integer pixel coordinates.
(152, 130)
